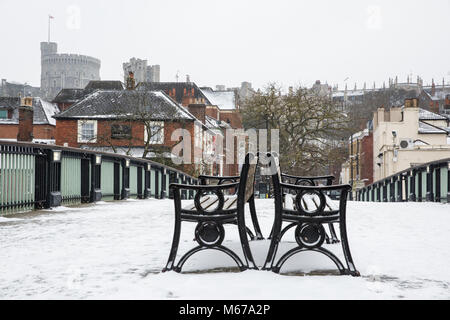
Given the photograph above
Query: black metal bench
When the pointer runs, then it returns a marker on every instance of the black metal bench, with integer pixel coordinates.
(208, 180)
(211, 210)
(310, 181)
(309, 213)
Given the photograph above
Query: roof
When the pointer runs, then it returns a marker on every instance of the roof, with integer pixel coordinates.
(215, 124)
(103, 85)
(428, 115)
(111, 104)
(179, 89)
(427, 128)
(69, 95)
(225, 100)
(72, 95)
(43, 111)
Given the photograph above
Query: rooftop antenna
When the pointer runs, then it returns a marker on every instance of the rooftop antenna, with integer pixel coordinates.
(177, 76)
(50, 17)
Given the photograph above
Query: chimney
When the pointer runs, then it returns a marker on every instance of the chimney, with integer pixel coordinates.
(433, 88)
(131, 82)
(198, 111)
(25, 120)
(188, 79)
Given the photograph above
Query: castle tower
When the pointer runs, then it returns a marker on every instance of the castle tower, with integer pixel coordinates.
(59, 71)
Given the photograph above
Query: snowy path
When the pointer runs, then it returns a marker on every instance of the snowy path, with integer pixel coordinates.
(116, 250)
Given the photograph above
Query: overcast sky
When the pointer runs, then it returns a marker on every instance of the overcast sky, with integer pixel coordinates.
(227, 42)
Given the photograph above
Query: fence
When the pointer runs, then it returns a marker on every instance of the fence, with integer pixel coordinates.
(427, 182)
(35, 176)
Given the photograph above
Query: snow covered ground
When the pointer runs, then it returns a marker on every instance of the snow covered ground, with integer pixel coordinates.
(116, 250)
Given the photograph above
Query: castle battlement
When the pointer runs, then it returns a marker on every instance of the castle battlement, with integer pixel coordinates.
(65, 70)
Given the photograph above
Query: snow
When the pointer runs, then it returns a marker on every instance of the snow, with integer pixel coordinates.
(225, 100)
(50, 109)
(116, 250)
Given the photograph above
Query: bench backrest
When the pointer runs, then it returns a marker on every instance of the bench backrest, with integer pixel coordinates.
(247, 179)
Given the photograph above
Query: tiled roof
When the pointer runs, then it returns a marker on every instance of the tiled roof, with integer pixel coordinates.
(43, 111)
(103, 85)
(69, 95)
(112, 104)
(179, 89)
(428, 115)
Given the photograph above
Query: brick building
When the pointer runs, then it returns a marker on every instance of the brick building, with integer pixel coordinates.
(358, 169)
(134, 122)
(33, 115)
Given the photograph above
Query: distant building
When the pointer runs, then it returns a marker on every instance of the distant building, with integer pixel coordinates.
(142, 71)
(407, 136)
(358, 169)
(60, 71)
(32, 117)
(14, 89)
(323, 90)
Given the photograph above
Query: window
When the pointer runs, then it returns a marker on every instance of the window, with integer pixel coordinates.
(156, 132)
(198, 135)
(3, 114)
(87, 131)
(120, 131)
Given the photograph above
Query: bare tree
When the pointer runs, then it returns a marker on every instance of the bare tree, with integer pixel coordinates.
(311, 126)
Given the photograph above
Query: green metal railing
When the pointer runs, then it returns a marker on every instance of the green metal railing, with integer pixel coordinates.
(34, 176)
(426, 182)
(107, 180)
(17, 179)
(70, 180)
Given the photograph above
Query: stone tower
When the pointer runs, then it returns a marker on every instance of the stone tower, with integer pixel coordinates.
(59, 71)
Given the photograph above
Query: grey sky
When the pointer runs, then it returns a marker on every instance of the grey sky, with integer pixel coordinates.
(226, 42)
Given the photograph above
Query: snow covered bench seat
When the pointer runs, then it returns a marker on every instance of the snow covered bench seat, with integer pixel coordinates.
(307, 208)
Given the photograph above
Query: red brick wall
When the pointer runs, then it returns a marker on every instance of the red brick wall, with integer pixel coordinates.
(213, 112)
(233, 117)
(8, 131)
(40, 131)
(367, 158)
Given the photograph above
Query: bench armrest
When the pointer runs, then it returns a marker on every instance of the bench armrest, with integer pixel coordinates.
(178, 186)
(321, 188)
(308, 178)
(219, 177)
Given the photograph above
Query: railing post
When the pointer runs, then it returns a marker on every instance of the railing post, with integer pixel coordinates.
(437, 183)
(147, 173)
(54, 178)
(399, 188)
(184, 192)
(412, 186)
(448, 182)
(125, 179)
(429, 195)
(96, 167)
(163, 183)
(419, 186)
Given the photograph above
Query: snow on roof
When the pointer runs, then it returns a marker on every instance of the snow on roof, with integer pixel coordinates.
(225, 100)
(428, 115)
(427, 128)
(43, 111)
(114, 103)
(50, 109)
